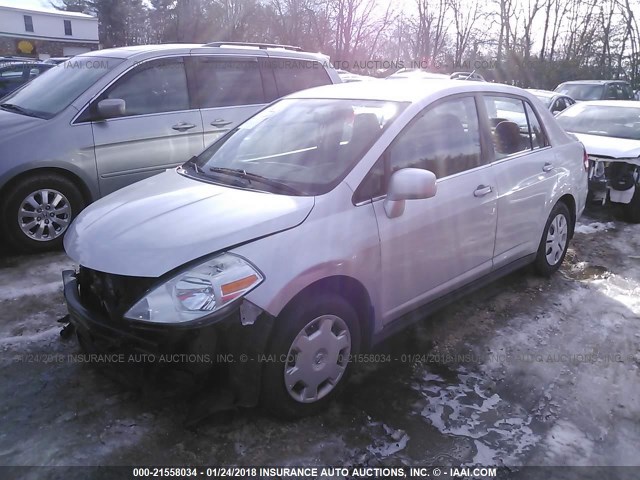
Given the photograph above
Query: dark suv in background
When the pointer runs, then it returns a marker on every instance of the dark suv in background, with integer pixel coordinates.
(581, 90)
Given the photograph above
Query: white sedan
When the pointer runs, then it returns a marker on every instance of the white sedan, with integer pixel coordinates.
(610, 131)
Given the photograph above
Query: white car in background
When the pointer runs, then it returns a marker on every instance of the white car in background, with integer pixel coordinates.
(610, 131)
(320, 226)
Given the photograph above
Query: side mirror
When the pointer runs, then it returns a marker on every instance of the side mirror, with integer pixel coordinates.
(408, 184)
(111, 107)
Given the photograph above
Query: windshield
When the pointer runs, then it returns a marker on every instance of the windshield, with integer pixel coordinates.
(303, 146)
(620, 122)
(582, 92)
(53, 91)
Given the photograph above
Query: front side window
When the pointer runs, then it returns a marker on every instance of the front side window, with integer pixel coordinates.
(67, 27)
(28, 23)
(49, 94)
(444, 139)
(293, 75)
(154, 87)
(298, 146)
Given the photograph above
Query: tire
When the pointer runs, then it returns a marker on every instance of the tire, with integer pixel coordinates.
(54, 195)
(328, 357)
(554, 241)
(632, 209)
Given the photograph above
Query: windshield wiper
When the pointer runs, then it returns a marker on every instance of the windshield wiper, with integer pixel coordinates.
(18, 109)
(236, 172)
(193, 163)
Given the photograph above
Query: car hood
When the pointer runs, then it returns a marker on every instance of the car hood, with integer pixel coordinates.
(163, 222)
(12, 124)
(609, 146)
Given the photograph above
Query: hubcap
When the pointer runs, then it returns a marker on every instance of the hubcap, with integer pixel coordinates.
(556, 239)
(317, 359)
(44, 215)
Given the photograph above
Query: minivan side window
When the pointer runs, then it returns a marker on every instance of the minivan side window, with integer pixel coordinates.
(293, 75)
(153, 87)
(228, 82)
(444, 139)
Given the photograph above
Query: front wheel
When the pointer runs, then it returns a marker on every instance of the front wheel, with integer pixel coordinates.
(309, 356)
(554, 242)
(37, 211)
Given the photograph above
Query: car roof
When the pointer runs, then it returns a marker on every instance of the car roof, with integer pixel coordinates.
(402, 90)
(612, 103)
(544, 93)
(593, 82)
(187, 48)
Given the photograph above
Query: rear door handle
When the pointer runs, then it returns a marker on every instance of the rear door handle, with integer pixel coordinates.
(183, 126)
(220, 122)
(482, 190)
(547, 167)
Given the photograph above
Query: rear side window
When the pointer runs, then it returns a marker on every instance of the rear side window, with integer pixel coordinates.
(444, 139)
(228, 82)
(293, 75)
(514, 126)
(153, 87)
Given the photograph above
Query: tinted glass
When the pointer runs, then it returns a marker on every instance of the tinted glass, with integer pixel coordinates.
(445, 139)
(49, 94)
(307, 145)
(293, 75)
(224, 83)
(153, 87)
(582, 91)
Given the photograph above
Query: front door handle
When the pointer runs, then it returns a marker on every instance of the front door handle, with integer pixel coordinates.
(183, 126)
(220, 122)
(482, 190)
(547, 167)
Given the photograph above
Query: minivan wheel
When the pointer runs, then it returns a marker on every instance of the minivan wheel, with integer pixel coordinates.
(37, 211)
(308, 359)
(554, 242)
(632, 209)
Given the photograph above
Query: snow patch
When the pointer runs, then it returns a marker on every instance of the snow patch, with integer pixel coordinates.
(594, 227)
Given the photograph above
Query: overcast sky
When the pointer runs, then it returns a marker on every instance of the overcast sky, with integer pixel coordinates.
(27, 3)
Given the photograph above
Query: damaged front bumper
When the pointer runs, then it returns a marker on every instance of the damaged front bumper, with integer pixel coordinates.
(613, 179)
(228, 340)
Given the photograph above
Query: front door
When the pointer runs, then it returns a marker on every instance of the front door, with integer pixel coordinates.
(443, 242)
(159, 130)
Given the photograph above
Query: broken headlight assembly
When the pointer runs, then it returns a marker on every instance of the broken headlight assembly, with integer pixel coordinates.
(197, 291)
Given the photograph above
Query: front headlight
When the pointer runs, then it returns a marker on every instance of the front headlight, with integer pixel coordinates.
(199, 291)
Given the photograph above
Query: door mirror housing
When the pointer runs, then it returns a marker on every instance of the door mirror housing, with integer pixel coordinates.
(111, 107)
(408, 184)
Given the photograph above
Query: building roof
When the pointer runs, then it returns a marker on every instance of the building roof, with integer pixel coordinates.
(4, 5)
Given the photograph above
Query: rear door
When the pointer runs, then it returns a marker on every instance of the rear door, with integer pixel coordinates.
(526, 171)
(228, 90)
(160, 128)
(443, 242)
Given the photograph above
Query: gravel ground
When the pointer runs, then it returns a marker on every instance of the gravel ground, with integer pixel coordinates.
(527, 371)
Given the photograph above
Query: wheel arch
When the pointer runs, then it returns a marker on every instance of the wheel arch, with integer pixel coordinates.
(351, 290)
(570, 202)
(87, 195)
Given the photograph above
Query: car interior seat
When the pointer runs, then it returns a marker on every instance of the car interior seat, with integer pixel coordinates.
(507, 138)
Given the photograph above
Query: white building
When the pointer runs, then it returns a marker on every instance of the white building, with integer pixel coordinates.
(44, 33)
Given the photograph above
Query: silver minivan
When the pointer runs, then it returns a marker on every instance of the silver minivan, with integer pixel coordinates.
(317, 228)
(106, 119)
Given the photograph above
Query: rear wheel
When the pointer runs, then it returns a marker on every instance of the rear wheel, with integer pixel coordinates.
(309, 356)
(632, 209)
(37, 211)
(555, 241)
